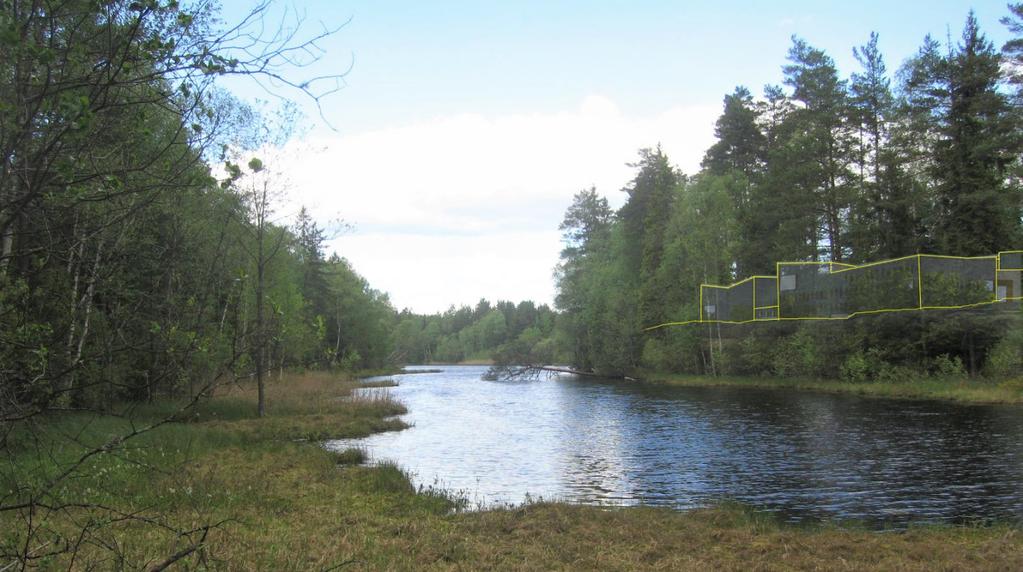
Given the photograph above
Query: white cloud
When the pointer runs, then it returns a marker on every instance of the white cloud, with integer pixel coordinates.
(457, 208)
(429, 273)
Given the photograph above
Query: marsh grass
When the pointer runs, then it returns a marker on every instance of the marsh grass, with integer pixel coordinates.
(351, 456)
(960, 389)
(379, 383)
(283, 505)
(312, 406)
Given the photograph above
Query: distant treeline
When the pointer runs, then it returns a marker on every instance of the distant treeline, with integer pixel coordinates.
(872, 166)
(505, 331)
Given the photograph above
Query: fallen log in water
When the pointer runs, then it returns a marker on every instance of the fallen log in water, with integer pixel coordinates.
(535, 372)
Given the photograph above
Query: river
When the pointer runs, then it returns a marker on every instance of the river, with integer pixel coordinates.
(803, 455)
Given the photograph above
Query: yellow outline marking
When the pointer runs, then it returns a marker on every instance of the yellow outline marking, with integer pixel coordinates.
(777, 286)
(701, 302)
(777, 278)
(919, 282)
(999, 259)
(833, 319)
(957, 257)
(878, 263)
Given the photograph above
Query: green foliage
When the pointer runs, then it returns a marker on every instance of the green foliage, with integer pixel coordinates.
(504, 332)
(127, 271)
(952, 290)
(946, 366)
(657, 354)
(1006, 357)
(351, 361)
(800, 355)
(867, 366)
(954, 96)
(822, 168)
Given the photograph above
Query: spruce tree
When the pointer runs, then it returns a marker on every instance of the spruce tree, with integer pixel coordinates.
(972, 136)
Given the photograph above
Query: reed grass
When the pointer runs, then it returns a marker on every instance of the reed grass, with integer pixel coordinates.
(351, 456)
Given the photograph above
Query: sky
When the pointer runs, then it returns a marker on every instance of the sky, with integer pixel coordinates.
(463, 129)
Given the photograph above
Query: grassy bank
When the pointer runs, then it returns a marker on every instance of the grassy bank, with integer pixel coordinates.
(275, 502)
(377, 372)
(469, 361)
(960, 389)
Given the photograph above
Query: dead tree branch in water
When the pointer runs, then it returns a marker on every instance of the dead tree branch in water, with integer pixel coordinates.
(535, 372)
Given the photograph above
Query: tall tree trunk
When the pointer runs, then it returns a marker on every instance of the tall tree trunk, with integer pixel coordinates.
(972, 354)
(260, 342)
(6, 248)
(86, 304)
(710, 348)
(337, 343)
(8, 220)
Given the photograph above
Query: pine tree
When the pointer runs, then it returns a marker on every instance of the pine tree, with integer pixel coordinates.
(740, 153)
(740, 145)
(822, 139)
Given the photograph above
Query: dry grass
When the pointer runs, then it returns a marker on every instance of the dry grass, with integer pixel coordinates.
(304, 514)
(284, 505)
(309, 406)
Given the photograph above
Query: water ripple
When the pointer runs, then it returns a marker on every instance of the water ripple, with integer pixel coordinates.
(801, 455)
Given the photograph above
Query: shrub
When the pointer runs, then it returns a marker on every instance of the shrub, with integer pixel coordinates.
(863, 366)
(656, 355)
(1006, 357)
(856, 368)
(948, 366)
(801, 354)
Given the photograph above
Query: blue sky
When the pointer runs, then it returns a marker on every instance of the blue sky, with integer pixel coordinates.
(465, 128)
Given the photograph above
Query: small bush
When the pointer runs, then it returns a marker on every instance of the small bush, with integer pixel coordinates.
(801, 354)
(656, 355)
(1006, 357)
(946, 366)
(755, 353)
(855, 369)
(865, 366)
(351, 360)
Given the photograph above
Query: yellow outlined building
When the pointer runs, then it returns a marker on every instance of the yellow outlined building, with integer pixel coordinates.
(840, 291)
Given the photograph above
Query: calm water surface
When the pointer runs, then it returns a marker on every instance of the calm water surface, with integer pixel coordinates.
(804, 455)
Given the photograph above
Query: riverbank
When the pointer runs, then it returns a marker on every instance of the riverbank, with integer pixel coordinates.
(387, 371)
(274, 500)
(473, 361)
(960, 389)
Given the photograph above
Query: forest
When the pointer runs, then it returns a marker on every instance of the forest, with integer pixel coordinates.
(505, 332)
(144, 246)
(872, 166)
